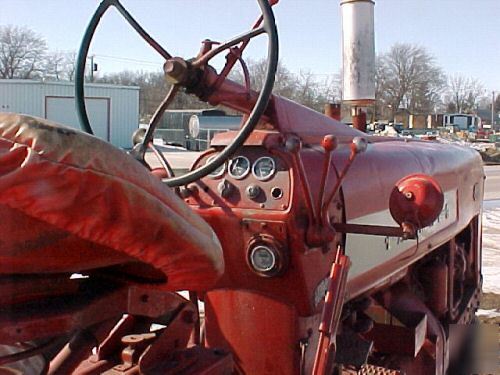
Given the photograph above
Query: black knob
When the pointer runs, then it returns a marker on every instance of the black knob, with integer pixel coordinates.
(253, 191)
(225, 188)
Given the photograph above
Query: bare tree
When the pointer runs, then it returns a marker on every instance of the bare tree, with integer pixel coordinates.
(331, 88)
(463, 93)
(53, 69)
(313, 92)
(59, 66)
(285, 83)
(307, 89)
(70, 65)
(407, 76)
(22, 52)
(304, 87)
(383, 101)
(476, 91)
(153, 89)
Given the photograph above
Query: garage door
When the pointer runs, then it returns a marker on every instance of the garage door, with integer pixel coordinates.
(62, 110)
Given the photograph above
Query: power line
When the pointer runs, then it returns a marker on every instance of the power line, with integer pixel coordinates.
(126, 59)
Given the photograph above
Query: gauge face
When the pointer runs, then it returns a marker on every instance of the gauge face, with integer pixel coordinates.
(239, 167)
(194, 126)
(262, 259)
(264, 168)
(219, 171)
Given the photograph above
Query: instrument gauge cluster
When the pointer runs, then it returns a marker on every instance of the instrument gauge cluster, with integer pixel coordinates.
(253, 178)
(239, 167)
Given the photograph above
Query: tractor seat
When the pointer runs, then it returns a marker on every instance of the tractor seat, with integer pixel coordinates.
(70, 202)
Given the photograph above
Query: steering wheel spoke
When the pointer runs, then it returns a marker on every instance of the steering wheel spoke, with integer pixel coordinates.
(139, 149)
(163, 161)
(190, 74)
(84, 50)
(155, 119)
(140, 30)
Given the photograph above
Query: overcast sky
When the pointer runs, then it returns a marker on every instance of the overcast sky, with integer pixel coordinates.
(463, 35)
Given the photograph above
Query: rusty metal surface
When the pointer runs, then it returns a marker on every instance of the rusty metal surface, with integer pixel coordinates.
(46, 318)
(267, 320)
(333, 111)
(375, 230)
(359, 121)
(409, 338)
(69, 358)
(401, 302)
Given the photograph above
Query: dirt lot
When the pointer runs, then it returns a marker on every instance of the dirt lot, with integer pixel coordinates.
(491, 156)
(490, 301)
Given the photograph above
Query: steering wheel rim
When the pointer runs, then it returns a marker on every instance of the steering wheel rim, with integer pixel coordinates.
(269, 27)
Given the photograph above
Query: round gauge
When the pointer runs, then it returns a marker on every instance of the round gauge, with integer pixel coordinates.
(194, 126)
(262, 259)
(264, 168)
(239, 167)
(219, 171)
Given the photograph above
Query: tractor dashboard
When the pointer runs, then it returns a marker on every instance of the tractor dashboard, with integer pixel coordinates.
(256, 205)
(253, 178)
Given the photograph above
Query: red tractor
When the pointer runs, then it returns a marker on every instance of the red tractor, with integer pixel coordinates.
(315, 248)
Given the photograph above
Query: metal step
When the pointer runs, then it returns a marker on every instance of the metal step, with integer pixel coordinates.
(371, 370)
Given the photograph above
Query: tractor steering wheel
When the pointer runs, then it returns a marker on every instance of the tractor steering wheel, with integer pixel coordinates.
(266, 24)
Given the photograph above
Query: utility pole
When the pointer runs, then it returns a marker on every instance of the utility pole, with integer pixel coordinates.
(492, 108)
(91, 57)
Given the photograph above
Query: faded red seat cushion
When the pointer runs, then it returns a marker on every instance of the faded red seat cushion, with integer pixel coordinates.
(70, 202)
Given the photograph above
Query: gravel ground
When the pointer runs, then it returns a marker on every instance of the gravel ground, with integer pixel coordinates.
(490, 303)
(489, 311)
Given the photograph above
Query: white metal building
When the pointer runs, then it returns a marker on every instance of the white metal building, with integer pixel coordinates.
(113, 110)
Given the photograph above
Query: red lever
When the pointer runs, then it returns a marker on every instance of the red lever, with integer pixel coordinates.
(293, 144)
(329, 144)
(332, 308)
(318, 234)
(358, 146)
